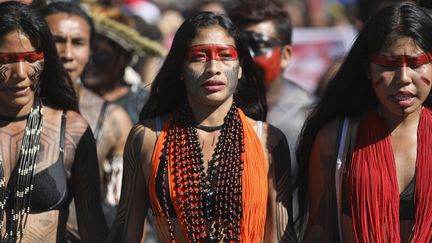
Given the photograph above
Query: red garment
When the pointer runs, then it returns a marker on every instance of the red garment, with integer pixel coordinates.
(372, 186)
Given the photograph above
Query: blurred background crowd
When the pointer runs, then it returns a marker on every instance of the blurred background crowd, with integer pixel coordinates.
(131, 37)
(323, 31)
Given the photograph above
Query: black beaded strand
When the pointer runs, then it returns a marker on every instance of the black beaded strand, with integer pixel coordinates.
(211, 202)
(20, 200)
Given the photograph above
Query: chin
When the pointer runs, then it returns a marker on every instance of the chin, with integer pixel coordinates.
(218, 102)
(22, 101)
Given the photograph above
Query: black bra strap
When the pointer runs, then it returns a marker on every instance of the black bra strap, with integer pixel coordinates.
(62, 132)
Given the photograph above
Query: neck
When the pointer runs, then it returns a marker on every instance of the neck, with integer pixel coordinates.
(397, 123)
(210, 116)
(77, 85)
(15, 112)
(273, 90)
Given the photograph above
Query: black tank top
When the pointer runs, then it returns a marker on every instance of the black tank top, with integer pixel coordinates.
(406, 205)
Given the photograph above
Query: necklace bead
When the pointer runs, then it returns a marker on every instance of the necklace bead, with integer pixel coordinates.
(211, 200)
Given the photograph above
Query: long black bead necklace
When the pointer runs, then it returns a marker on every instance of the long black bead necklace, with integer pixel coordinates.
(210, 203)
(19, 201)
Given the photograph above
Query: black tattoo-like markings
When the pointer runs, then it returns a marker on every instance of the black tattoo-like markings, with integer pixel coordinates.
(134, 202)
(3, 70)
(86, 190)
(37, 69)
(282, 169)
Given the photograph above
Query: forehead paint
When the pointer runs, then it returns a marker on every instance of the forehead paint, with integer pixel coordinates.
(402, 60)
(204, 53)
(11, 57)
(425, 80)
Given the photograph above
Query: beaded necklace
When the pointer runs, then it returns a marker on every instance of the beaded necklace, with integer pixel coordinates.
(19, 202)
(210, 202)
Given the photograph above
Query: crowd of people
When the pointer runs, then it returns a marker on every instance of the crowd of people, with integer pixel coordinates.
(136, 122)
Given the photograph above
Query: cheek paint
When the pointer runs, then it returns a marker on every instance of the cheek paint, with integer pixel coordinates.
(269, 65)
(36, 71)
(379, 81)
(12, 57)
(425, 80)
(3, 70)
(232, 80)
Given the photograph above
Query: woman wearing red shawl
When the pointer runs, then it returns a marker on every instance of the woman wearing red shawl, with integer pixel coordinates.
(365, 152)
(201, 158)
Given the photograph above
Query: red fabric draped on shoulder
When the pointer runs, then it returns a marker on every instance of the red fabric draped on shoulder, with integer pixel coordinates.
(254, 185)
(372, 186)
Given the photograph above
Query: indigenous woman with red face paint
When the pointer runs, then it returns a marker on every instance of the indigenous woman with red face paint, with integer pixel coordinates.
(365, 153)
(201, 158)
(47, 151)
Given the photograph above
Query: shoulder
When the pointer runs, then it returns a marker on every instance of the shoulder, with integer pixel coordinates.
(271, 135)
(77, 128)
(326, 141)
(77, 133)
(116, 113)
(143, 135)
(140, 145)
(88, 97)
(76, 120)
(275, 135)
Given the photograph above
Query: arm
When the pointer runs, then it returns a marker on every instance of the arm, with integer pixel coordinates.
(322, 206)
(92, 226)
(131, 212)
(120, 124)
(279, 226)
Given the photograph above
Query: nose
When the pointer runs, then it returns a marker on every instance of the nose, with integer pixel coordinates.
(404, 76)
(213, 67)
(66, 51)
(18, 71)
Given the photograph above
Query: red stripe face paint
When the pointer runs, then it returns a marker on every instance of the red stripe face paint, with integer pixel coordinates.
(402, 60)
(11, 57)
(425, 80)
(205, 53)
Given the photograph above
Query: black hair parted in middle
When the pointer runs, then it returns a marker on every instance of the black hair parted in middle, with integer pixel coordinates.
(168, 89)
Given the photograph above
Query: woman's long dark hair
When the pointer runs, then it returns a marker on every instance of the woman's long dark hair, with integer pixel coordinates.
(55, 86)
(350, 93)
(168, 90)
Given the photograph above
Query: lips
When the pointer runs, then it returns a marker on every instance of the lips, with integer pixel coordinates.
(70, 70)
(213, 85)
(20, 91)
(404, 99)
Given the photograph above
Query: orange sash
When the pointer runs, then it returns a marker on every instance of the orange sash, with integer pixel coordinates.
(254, 186)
